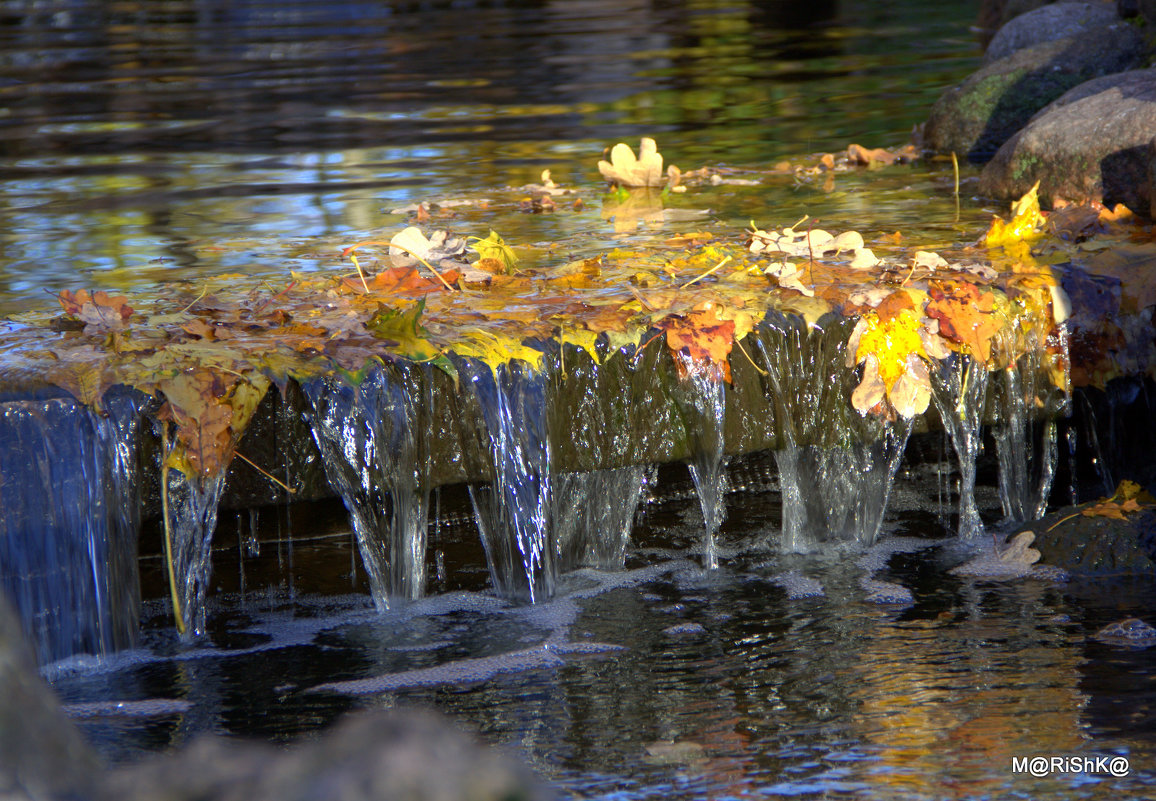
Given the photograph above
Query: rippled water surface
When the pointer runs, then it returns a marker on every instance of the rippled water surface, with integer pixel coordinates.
(165, 141)
(143, 143)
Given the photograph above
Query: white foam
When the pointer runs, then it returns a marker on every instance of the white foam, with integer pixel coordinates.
(799, 586)
(467, 671)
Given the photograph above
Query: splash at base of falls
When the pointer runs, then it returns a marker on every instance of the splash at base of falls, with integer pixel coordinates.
(69, 522)
(513, 513)
(375, 453)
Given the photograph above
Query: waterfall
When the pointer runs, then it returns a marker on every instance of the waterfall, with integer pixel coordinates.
(513, 512)
(192, 506)
(960, 392)
(592, 515)
(69, 522)
(703, 399)
(376, 453)
(1026, 448)
(836, 467)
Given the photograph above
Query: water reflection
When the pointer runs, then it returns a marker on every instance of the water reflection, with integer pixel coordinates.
(145, 142)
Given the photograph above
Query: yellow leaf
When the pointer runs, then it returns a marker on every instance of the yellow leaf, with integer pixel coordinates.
(1027, 222)
(496, 349)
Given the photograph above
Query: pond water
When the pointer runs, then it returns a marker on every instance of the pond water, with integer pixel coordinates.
(149, 144)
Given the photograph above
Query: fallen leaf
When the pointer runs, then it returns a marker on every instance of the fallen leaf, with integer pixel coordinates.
(624, 169)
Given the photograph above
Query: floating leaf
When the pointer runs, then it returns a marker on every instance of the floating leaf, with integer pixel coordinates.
(494, 247)
(624, 169)
(402, 327)
(701, 335)
(98, 310)
(1026, 225)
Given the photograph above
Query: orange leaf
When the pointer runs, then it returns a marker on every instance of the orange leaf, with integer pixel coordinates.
(964, 316)
(702, 335)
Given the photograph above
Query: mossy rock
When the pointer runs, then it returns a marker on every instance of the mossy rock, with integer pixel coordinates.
(975, 118)
(1092, 143)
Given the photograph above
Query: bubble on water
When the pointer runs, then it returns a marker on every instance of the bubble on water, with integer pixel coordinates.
(1132, 632)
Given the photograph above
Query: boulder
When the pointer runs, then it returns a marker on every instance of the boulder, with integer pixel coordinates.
(978, 116)
(1092, 143)
(375, 756)
(1082, 545)
(1046, 24)
(42, 755)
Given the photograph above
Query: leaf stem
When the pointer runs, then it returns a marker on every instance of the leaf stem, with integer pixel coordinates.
(266, 474)
(704, 275)
(178, 615)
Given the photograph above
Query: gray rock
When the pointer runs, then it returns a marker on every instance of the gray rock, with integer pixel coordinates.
(1092, 143)
(975, 118)
(1046, 24)
(378, 756)
(42, 755)
(1097, 545)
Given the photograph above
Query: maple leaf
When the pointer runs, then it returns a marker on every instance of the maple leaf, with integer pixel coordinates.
(402, 280)
(624, 169)
(494, 247)
(965, 316)
(702, 336)
(402, 327)
(1109, 509)
(210, 410)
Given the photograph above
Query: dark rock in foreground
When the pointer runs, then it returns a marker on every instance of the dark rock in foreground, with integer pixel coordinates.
(42, 755)
(1092, 143)
(380, 756)
(975, 118)
(385, 756)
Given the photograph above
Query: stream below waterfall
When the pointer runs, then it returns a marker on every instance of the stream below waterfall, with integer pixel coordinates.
(773, 675)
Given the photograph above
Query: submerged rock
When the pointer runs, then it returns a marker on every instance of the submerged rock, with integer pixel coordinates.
(1091, 143)
(975, 118)
(1046, 24)
(403, 755)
